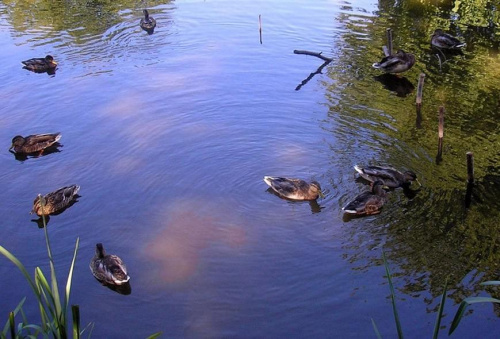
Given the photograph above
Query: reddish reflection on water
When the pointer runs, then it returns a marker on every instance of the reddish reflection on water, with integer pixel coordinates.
(189, 227)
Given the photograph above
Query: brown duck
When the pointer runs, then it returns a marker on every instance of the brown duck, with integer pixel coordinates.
(56, 201)
(34, 143)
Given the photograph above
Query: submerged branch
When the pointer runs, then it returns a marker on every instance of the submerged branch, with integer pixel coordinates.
(318, 55)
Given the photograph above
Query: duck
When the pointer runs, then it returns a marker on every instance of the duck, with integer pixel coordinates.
(55, 202)
(396, 63)
(369, 202)
(108, 268)
(34, 143)
(147, 23)
(294, 189)
(389, 176)
(40, 64)
(442, 40)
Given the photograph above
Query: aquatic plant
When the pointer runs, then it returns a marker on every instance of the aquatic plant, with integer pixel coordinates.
(53, 310)
(458, 315)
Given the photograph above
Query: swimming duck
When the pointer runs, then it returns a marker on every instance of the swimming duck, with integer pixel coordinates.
(294, 189)
(388, 176)
(396, 63)
(40, 64)
(34, 143)
(56, 201)
(444, 40)
(369, 202)
(108, 268)
(147, 23)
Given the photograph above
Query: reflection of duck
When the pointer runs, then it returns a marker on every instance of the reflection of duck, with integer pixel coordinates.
(294, 189)
(369, 202)
(396, 63)
(444, 40)
(34, 143)
(147, 23)
(40, 65)
(55, 202)
(108, 268)
(401, 85)
(386, 175)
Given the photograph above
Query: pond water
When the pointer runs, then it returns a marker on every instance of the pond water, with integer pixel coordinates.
(169, 136)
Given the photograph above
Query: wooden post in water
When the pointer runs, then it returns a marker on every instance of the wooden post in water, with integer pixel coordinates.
(440, 134)
(470, 167)
(420, 89)
(470, 179)
(260, 29)
(389, 40)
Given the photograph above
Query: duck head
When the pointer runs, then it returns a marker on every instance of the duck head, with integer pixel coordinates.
(315, 188)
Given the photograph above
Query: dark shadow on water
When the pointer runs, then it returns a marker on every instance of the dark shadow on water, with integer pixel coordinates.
(315, 207)
(50, 71)
(39, 221)
(124, 289)
(49, 150)
(400, 85)
(149, 31)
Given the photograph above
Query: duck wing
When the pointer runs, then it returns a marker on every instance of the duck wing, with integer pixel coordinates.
(62, 198)
(37, 142)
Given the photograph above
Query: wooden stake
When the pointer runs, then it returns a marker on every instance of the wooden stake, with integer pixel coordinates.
(470, 167)
(440, 134)
(260, 29)
(420, 89)
(389, 40)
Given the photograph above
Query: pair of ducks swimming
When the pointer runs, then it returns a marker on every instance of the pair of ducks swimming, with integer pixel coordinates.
(107, 268)
(47, 64)
(402, 61)
(366, 203)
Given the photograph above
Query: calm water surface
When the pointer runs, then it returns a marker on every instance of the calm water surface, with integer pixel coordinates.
(169, 136)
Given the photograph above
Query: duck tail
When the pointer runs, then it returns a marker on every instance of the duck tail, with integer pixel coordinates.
(268, 180)
(358, 169)
(58, 137)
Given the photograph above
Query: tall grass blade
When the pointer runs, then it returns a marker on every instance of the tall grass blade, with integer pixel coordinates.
(75, 311)
(440, 311)
(375, 328)
(70, 277)
(393, 298)
(16, 310)
(154, 335)
(490, 283)
(463, 305)
(12, 324)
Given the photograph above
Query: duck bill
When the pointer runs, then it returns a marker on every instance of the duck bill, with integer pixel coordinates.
(11, 147)
(321, 194)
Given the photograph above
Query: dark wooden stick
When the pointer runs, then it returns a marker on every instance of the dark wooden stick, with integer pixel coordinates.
(389, 41)
(420, 89)
(318, 55)
(260, 29)
(470, 167)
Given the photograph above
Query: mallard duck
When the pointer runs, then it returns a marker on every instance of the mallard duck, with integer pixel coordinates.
(444, 40)
(34, 143)
(396, 63)
(388, 176)
(369, 202)
(108, 268)
(147, 23)
(56, 201)
(40, 64)
(294, 189)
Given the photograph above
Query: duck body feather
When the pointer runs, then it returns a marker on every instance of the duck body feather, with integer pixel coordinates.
(40, 64)
(444, 40)
(294, 189)
(56, 201)
(108, 268)
(388, 176)
(369, 202)
(147, 23)
(34, 143)
(396, 63)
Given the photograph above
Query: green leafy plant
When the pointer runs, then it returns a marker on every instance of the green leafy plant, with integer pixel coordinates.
(53, 310)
